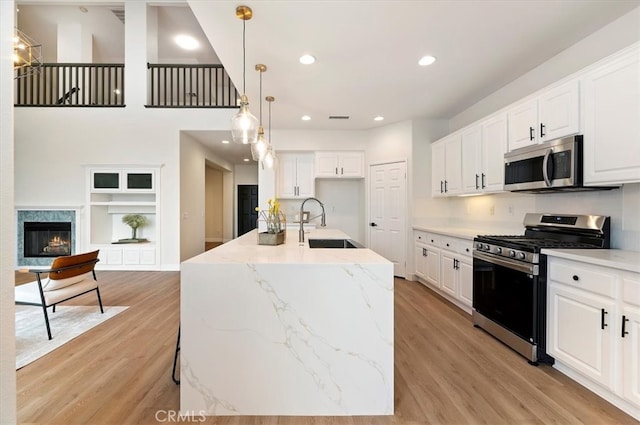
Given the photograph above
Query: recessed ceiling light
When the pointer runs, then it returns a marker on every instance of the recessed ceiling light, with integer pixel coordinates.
(225, 142)
(186, 42)
(245, 159)
(305, 118)
(426, 60)
(307, 59)
(378, 118)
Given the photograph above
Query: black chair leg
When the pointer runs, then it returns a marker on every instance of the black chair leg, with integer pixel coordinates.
(46, 320)
(175, 359)
(100, 300)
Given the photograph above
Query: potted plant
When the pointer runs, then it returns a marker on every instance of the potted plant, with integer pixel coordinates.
(134, 221)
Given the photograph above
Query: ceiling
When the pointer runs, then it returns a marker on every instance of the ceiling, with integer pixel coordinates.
(367, 52)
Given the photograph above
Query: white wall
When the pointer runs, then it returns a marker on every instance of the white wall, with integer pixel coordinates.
(7, 220)
(213, 220)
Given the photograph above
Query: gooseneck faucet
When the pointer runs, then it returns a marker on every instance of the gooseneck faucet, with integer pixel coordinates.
(322, 220)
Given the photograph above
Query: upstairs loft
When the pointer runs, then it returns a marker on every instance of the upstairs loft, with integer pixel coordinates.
(103, 85)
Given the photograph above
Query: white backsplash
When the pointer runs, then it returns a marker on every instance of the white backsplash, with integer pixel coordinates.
(508, 210)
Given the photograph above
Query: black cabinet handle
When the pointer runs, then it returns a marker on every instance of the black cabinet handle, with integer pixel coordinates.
(373, 224)
(530, 133)
(477, 177)
(483, 177)
(336, 170)
(542, 130)
(424, 252)
(603, 313)
(575, 277)
(447, 244)
(441, 190)
(342, 170)
(624, 322)
(445, 186)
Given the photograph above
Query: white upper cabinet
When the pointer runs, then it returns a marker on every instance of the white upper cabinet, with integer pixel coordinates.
(446, 166)
(483, 149)
(612, 120)
(552, 115)
(339, 164)
(296, 179)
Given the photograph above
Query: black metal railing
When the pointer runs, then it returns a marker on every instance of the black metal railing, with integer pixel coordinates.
(71, 84)
(190, 86)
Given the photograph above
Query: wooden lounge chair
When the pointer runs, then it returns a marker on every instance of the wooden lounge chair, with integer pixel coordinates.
(69, 276)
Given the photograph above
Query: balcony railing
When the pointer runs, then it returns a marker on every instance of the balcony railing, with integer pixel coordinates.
(71, 84)
(190, 86)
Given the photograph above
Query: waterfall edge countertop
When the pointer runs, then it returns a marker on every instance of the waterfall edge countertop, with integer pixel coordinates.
(286, 329)
(245, 249)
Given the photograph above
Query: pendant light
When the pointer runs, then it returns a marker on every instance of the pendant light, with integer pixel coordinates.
(244, 126)
(269, 160)
(259, 149)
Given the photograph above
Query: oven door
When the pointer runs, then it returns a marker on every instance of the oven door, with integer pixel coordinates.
(505, 292)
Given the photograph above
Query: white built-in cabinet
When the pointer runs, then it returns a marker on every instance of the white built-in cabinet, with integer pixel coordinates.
(112, 193)
(445, 264)
(295, 175)
(593, 328)
(340, 164)
(446, 170)
(555, 113)
(612, 120)
(483, 147)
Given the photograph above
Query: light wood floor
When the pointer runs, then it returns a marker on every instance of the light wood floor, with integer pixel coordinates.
(446, 371)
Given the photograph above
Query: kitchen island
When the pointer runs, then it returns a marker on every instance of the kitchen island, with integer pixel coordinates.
(286, 330)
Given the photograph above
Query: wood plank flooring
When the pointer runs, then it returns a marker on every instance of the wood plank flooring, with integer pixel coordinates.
(446, 371)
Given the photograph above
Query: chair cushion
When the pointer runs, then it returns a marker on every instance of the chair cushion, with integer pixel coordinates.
(50, 284)
(28, 293)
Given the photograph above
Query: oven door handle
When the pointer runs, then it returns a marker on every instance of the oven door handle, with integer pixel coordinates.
(505, 262)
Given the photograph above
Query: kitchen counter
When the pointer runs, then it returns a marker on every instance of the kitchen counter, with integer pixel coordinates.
(287, 330)
(468, 232)
(615, 258)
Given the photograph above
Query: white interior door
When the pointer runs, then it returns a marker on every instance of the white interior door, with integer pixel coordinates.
(387, 213)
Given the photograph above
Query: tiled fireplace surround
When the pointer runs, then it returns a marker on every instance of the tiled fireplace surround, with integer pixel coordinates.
(67, 215)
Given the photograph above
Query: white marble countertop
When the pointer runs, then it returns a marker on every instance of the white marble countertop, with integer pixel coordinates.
(615, 258)
(245, 249)
(468, 232)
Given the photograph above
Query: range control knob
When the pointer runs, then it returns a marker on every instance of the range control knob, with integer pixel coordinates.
(512, 254)
(487, 246)
(521, 255)
(498, 250)
(479, 245)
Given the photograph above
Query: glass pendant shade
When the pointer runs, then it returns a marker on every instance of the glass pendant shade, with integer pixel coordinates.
(259, 149)
(244, 125)
(269, 158)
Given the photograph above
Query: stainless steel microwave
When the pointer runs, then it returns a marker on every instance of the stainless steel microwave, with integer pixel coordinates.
(553, 166)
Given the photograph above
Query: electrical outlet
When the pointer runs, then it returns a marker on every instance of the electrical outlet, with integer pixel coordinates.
(492, 210)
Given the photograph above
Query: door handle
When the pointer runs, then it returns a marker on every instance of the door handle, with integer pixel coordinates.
(373, 224)
(545, 167)
(624, 322)
(603, 313)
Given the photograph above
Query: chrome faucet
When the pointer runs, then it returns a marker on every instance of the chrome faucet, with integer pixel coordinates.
(322, 220)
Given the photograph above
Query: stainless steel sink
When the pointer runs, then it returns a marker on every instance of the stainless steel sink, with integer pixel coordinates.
(334, 243)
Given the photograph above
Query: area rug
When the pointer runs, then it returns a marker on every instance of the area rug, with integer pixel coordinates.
(66, 323)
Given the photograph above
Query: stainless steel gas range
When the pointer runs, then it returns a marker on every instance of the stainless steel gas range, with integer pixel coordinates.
(510, 282)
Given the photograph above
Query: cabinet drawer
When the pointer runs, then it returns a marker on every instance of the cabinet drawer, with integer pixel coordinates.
(631, 289)
(457, 245)
(580, 275)
(426, 238)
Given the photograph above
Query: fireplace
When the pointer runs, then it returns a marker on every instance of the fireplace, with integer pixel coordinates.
(45, 233)
(47, 239)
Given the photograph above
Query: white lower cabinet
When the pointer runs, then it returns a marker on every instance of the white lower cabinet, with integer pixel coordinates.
(445, 264)
(114, 257)
(593, 328)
